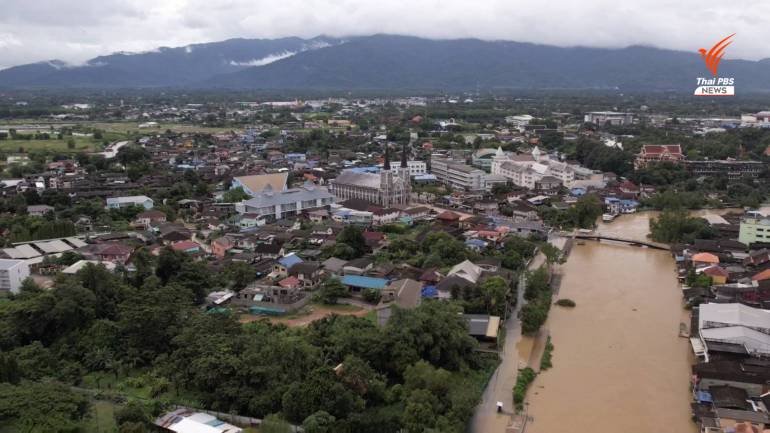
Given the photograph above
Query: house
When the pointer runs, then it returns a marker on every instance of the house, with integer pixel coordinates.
(704, 259)
(308, 273)
(333, 266)
(12, 274)
(448, 287)
(448, 218)
(282, 266)
(357, 283)
(220, 246)
(466, 270)
(188, 247)
(404, 292)
(290, 283)
(135, 200)
(483, 327)
(271, 250)
(149, 217)
(39, 210)
(357, 266)
(373, 239)
(109, 252)
(717, 273)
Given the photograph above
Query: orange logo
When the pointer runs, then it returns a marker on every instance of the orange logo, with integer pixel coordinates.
(714, 55)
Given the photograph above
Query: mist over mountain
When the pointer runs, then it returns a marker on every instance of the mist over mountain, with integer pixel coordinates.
(389, 62)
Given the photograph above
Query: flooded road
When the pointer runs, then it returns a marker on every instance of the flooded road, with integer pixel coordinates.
(618, 363)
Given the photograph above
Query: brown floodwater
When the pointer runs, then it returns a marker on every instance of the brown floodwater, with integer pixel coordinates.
(618, 363)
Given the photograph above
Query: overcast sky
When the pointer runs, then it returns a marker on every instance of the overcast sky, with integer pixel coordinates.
(34, 30)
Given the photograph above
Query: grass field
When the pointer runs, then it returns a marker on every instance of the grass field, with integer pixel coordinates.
(82, 144)
(101, 418)
(126, 127)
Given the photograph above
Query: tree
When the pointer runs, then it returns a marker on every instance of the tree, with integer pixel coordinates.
(274, 424)
(353, 237)
(372, 296)
(319, 422)
(678, 226)
(331, 290)
(240, 274)
(235, 195)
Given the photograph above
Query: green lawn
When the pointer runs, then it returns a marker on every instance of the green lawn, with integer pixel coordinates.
(101, 418)
(82, 144)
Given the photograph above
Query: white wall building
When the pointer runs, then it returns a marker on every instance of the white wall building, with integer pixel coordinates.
(458, 175)
(283, 204)
(134, 200)
(735, 324)
(12, 274)
(612, 117)
(526, 170)
(417, 168)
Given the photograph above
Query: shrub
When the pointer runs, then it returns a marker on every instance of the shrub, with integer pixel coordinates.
(545, 361)
(372, 296)
(523, 380)
(566, 303)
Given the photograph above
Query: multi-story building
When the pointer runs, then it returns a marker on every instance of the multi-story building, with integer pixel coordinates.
(135, 200)
(731, 168)
(458, 175)
(754, 229)
(417, 168)
(277, 205)
(387, 188)
(527, 170)
(12, 274)
(654, 153)
(611, 117)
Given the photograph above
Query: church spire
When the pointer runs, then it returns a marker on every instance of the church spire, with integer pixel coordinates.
(403, 157)
(386, 166)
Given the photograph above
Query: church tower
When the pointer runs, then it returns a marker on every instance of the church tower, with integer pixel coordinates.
(386, 180)
(404, 177)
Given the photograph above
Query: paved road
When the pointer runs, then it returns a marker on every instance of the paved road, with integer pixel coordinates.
(486, 419)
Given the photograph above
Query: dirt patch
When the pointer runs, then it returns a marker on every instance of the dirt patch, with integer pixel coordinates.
(309, 315)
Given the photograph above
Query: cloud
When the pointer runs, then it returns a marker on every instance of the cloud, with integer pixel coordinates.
(35, 30)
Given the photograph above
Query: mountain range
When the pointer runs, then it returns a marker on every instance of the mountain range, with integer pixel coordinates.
(388, 62)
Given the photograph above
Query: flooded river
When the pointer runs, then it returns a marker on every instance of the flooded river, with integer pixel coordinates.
(619, 365)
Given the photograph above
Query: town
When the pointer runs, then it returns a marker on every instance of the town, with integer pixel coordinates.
(372, 263)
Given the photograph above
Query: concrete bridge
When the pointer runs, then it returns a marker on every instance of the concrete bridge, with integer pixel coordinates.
(633, 242)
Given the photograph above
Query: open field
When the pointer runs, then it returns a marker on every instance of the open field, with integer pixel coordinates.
(126, 127)
(82, 144)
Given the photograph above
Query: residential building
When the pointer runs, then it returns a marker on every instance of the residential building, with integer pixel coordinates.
(12, 274)
(387, 188)
(275, 205)
(732, 169)
(654, 153)
(458, 175)
(188, 421)
(608, 117)
(754, 229)
(134, 200)
(39, 209)
(417, 168)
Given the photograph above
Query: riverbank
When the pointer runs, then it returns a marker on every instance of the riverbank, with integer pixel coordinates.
(619, 364)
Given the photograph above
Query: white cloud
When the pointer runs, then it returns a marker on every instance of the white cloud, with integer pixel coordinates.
(35, 30)
(265, 60)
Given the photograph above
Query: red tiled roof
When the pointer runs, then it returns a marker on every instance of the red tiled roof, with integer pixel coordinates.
(289, 282)
(184, 245)
(716, 271)
(654, 149)
(448, 215)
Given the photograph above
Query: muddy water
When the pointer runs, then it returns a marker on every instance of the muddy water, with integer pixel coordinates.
(619, 365)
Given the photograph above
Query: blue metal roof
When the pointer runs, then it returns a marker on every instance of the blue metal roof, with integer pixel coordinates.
(364, 282)
(289, 260)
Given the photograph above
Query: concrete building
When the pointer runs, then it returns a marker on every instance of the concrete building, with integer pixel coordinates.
(733, 169)
(257, 183)
(12, 274)
(754, 229)
(271, 205)
(612, 117)
(458, 175)
(745, 329)
(134, 200)
(527, 170)
(387, 188)
(417, 168)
